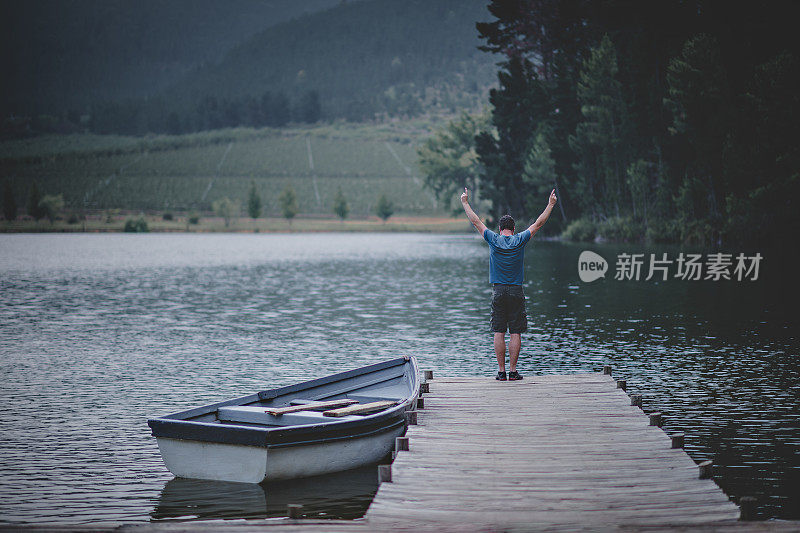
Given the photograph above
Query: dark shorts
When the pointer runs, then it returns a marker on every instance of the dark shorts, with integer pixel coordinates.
(508, 309)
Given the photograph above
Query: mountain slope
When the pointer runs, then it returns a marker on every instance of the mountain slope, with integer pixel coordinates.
(361, 58)
(67, 54)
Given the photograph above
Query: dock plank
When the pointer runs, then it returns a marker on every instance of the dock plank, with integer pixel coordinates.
(555, 451)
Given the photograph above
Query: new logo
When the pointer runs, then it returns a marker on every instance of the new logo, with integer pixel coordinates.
(591, 266)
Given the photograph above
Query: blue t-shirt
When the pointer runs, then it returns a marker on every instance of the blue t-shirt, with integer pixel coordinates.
(506, 256)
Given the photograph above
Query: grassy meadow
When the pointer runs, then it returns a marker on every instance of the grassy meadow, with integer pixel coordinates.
(111, 176)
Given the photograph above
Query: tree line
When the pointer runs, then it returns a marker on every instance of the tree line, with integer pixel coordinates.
(665, 121)
(227, 208)
(133, 117)
(49, 206)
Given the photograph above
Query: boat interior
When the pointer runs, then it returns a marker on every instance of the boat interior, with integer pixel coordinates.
(341, 397)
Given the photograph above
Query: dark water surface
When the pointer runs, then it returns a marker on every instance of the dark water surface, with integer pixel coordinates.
(100, 332)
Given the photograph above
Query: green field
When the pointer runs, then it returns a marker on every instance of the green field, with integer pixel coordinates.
(188, 172)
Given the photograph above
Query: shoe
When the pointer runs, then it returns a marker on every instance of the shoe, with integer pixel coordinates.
(501, 376)
(514, 376)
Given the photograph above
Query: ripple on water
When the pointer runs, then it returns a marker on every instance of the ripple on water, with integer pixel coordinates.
(100, 332)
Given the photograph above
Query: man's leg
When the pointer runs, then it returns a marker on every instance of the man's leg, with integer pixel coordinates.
(514, 344)
(500, 350)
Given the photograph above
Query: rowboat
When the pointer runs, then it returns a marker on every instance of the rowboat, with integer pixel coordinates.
(325, 425)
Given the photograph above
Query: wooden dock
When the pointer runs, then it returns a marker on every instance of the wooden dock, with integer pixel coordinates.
(549, 453)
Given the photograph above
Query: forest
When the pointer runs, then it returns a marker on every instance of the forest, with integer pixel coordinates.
(667, 121)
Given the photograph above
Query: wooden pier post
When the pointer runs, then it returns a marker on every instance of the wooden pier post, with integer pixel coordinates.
(420, 404)
(424, 387)
(411, 418)
(677, 440)
(384, 473)
(655, 419)
(622, 384)
(705, 469)
(747, 508)
(401, 444)
(294, 510)
(636, 400)
(428, 374)
(607, 370)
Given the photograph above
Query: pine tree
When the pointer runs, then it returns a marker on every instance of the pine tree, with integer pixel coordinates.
(599, 138)
(385, 208)
(33, 203)
(340, 206)
(638, 181)
(542, 44)
(253, 202)
(701, 106)
(539, 173)
(281, 111)
(519, 106)
(310, 110)
(9, 202)
(288, 201)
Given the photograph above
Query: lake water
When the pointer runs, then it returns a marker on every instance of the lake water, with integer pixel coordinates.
(100, 332)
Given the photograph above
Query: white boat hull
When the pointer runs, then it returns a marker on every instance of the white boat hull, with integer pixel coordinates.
(254, 464)
(291, 431)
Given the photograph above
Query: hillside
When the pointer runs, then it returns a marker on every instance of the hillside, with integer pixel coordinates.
(65, 55)
(190, 172)
(115, 67)
(363, 58)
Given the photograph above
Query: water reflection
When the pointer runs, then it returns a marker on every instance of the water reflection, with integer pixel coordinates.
(344, 495)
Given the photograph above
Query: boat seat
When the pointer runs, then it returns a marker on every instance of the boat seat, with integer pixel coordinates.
(358, 397)
(257, 415)
(395, 391)
(370, 399)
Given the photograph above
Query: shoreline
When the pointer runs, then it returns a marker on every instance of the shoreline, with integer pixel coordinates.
(156, 224)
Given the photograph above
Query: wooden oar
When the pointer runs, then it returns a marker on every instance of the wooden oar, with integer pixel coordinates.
(361, 409)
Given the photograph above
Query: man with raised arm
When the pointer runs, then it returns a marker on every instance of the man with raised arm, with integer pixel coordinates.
(506, 255)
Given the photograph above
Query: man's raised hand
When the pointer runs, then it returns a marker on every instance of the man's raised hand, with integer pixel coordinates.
(465, 196)
(552, 200)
